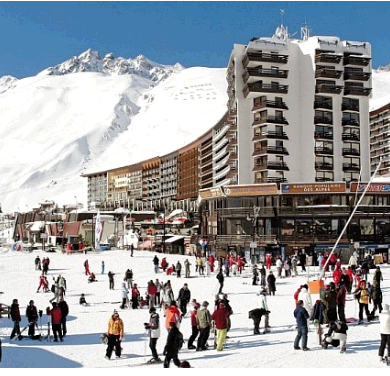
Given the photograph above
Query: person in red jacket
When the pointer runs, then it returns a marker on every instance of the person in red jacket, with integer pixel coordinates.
(56, 316)
(211, 260)
(296, 295)
(135, 295)
(220, 317)
(86, 267)
(194, 327)
(152, 291)
(337, 276)
(43, 283)
(351, 276)
(239, 265)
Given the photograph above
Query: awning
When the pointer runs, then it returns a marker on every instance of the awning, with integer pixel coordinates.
(174, 239)
(145, 245)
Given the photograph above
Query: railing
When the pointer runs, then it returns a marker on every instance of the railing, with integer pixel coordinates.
(271, 104)
(266, 57)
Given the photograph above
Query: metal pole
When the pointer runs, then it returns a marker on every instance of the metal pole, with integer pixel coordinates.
(349, 219)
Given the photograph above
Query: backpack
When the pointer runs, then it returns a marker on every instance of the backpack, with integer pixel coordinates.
(179, 340)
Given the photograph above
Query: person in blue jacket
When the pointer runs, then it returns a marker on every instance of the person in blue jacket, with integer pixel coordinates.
(301, 316)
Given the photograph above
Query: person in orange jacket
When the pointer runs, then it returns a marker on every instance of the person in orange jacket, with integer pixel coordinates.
(172, 314)
(56, 316)
(115, 334)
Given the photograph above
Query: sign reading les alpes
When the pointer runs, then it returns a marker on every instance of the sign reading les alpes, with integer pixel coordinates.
(314, 188)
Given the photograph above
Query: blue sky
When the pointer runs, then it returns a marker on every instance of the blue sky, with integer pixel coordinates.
(37, 35)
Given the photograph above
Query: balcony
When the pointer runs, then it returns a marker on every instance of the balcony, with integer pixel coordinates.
(324, 57)
(324, 166)
(357, 90)
(270, 119)
(323, 120)
(270, 150)
(350, 137)
(329, 89)
(356, 60)
(323, 150)
(259, 72)
(280, 166)
(323, 135)
(323, 104)
(350, 107)
(328, 73)
(264, 88)
(351, 167)
(322, 179)
(255, 57)
(350, 152)
(270, 135)
(270, 104)
(350, 122)
(356, 76)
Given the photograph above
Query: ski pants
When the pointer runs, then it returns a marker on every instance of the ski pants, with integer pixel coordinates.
(152, 346)
(385, 342)
(302, 333)
(57, 332)
(193, 336)
(204, 334)
(363, 307)
(340, 336)
(16, 329)
(171, 356)
(221, 337)
(113, 342)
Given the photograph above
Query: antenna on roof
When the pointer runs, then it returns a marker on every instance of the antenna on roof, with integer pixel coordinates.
(282, 11)
(305, 32)
(281, 31)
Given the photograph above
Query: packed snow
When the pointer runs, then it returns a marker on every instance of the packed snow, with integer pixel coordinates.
(82, 347)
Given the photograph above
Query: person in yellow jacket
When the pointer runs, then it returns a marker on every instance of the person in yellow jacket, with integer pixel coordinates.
(115, 335)
(363, 296)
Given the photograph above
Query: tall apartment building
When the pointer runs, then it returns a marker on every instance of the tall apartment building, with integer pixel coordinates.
(379, 139)
(302, 109)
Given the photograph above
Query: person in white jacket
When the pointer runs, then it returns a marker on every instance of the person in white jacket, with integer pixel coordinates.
(153, 327)
(384, 329)
(263, 304)
(125, 297)
(305, 296)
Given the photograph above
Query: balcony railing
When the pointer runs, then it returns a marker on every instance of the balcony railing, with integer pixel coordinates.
(356, 60)
(270, 150)
(282, 166)
(323, 150)
(323, 166)
(351, 167)
(270, 135)
(323, 135)
(324, 57)
(348, 151)
(350, 107)
(323, 104)
(323, 120)
(350, 137)
(263, 57)
(329, 89)
(322, 179)
(270, 104)
(357, 90)
(271, 119)
(350, 122)
(357, 76)
(328, 73)
(270, 180)
(264, 88)
(259, 72)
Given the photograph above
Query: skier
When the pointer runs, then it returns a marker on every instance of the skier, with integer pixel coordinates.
(82, 300)
(187, 268)
(32, 317)
(64, 313)
(220, 316)
(194, 327)
(115, 333)
(336, 335)
(384, 329)
(271, 281)
(125, 297)
(131, 249)
(203, 318)
(55, 314)
(86, 267)
(305, 296)
(111, 280)
(43, 283)
(135, 295)
(172, 347)
(16, 318)
(153, 326)
(155, 263)
(256, 315)
(37, 263)
(172, 314)
(263, 304)
(102, 267)
(221, 279)
(178, 269)
(184, 298)
(129, 278)
(152, 291)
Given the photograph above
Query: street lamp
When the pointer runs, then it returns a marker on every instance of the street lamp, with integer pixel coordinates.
(77, 204)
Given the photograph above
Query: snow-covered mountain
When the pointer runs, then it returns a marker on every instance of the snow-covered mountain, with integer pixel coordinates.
(91, 113)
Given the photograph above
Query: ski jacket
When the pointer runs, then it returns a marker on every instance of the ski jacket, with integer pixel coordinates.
(341, 296)
(220, 316)
(63, 305)
(56, 315)
(172, 345)
(15, 312)
(125, 290)
(154, 325)
(376, 294)
(296, 295)
(31, 313)
(318, 312)
(203, 317)
(384, 322)
(172, 314)
(301, 315)
(167, 296)
(306, 298)
(263, 302)
(115, 327)
(337, 327)
(193, 318)
(135, 292)
(184, 295)
(152, 289)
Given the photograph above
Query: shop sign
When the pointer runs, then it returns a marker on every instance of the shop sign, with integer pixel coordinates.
(374, 187)
(314, 188)
(251, 190)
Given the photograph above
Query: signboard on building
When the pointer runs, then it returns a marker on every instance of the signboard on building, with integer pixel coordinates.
(314, 188)
(251, 190)
(373, 188)
(210, 193)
